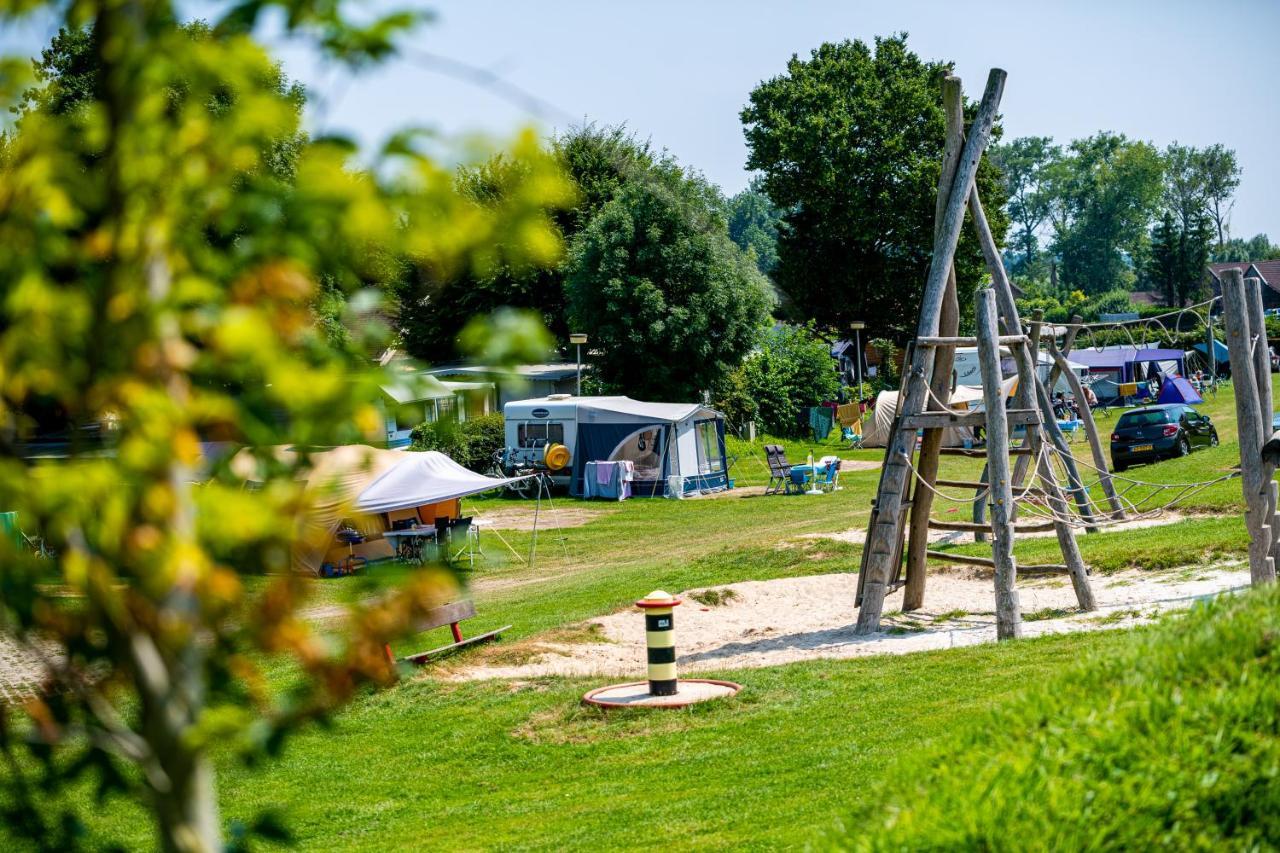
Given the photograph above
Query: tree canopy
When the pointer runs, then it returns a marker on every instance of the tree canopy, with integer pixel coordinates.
(669, 303)
(753, 225)
(849, 143)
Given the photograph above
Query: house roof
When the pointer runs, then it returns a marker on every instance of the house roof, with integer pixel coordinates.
(1268, 271)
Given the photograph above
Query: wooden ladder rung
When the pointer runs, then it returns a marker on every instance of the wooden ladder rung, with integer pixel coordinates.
(942, 420)
(1015, 340)
(980, 453)
(974, 484)
(947, 557)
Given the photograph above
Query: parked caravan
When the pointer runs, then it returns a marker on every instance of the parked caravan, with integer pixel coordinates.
(675, 449)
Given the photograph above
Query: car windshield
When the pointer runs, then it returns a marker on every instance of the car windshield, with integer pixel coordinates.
(1141, 419)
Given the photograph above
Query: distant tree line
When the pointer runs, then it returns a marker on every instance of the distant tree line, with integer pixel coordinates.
(1106, 215)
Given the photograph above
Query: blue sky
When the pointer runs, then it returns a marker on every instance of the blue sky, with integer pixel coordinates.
(679, 72)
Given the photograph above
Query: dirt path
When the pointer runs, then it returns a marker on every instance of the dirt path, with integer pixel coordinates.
(764, 623)
(565, 513)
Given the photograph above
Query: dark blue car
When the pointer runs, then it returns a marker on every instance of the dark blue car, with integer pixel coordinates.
(1159, 432)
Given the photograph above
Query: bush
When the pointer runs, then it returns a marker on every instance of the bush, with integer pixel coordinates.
(469, 443)
(791, 371)
(1173, 742)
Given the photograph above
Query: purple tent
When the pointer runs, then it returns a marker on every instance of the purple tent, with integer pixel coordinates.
(1123, 360)
(1178, 390)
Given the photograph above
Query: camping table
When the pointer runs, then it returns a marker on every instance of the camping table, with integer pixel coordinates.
(802, 474)
(409, 542)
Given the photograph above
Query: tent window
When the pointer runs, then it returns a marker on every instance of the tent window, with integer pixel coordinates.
(644, 449)
(539, 434)
(709, 459)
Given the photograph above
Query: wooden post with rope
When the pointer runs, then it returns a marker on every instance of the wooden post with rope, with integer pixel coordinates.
(1256, 479)
(940, 384)
(999, 493)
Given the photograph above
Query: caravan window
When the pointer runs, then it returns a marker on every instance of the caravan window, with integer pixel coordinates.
(539, 433)
(709, 459)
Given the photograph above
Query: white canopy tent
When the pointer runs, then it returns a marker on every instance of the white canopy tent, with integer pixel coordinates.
(418, 479)
(359, 485)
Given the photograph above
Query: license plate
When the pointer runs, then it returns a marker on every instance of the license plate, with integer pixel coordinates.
(1139, 447)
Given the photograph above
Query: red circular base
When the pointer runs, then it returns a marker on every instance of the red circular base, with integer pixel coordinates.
(635, 694)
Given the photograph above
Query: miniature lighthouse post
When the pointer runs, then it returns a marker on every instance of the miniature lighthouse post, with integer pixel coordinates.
(660, 638)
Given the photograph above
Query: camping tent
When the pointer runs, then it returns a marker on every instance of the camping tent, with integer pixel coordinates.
(368, 488)
(1178, 390)
(876, 429)
(670, 445)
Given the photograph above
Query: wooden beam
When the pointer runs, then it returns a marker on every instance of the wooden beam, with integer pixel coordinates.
(1262, 376)
(940, 420)
(1013, 340)
(1000, 493)
(884, 541)
(1249, 424)
(966, 560)
(943, 358)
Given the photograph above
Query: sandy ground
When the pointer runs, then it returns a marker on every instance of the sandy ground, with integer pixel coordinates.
(858, 535)
(765, 623)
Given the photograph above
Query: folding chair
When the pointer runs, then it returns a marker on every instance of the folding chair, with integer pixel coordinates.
(779, 470)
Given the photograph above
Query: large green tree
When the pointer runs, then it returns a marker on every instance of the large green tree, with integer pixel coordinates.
(670, 303)
(1106, 190)
(1221, 173)
(790, 371)
(849, 142)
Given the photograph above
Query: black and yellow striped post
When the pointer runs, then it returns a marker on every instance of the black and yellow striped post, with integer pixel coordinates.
(661, 641)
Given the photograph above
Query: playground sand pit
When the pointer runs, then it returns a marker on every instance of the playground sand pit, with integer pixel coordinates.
(764, 623)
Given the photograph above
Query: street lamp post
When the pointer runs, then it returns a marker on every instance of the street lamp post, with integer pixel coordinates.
(857, 358)
(578, 340)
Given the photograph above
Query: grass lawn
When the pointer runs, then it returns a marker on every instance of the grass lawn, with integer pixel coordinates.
(433, 764)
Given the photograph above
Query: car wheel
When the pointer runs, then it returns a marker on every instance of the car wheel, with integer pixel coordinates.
(1119, 468)
(1213, 438)
(1183, 447)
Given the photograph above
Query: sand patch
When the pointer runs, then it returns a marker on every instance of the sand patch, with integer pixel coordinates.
(858, 535)
(561, 514)
(765, 623)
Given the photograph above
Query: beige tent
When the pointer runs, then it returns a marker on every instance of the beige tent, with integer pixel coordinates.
(369, 488)
(876, 428)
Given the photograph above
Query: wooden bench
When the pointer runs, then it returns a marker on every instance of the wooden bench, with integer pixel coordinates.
(451, 615)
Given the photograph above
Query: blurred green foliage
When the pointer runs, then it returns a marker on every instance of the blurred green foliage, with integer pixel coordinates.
(167, 236)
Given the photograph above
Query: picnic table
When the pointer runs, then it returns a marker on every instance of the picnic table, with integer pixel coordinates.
(409, 541)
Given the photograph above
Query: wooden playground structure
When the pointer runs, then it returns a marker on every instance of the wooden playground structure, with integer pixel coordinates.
(1058, 497)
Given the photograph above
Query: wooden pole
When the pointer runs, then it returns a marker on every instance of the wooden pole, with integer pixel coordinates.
(1249, 424)
(1008, 614)
(885, 535)
(1262, 376)
(944, 361)
(1090, 428)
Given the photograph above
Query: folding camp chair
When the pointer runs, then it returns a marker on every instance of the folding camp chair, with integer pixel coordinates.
(831, 482)
(779, 470)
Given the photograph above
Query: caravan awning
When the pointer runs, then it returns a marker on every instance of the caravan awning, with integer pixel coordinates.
(418, 479)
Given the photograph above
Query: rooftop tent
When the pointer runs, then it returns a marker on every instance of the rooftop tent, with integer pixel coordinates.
(1178, 390)
(357, 484)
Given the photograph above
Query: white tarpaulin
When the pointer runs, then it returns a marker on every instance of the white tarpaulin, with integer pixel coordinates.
(418, 479)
